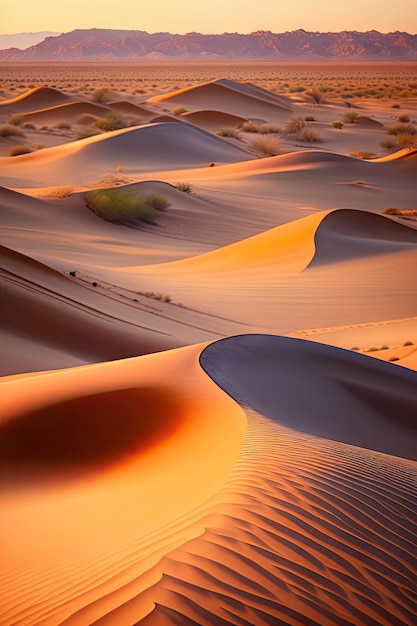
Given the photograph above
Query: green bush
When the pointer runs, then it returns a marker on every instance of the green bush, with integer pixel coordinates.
(122, 206)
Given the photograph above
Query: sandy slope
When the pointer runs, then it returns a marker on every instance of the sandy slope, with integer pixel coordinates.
(224, 474)
(295, 532)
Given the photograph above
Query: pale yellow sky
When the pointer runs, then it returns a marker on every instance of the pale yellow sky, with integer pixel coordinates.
(209, 16)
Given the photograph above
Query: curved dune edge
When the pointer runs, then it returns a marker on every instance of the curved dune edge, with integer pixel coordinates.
(291, 528)
(134, 450)
(36, 98)
(361, 402)
(322, 238)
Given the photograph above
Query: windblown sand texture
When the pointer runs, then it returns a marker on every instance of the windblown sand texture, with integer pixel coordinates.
(208, 416)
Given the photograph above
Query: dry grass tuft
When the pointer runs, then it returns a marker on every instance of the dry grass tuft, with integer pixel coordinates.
(270, 145)
(19, 149)
(8, 130)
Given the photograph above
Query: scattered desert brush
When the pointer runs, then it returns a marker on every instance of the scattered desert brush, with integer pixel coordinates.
(350, 117)
(8, 130)
(270, 145)
(123, 206)
(362, 154)
(19, 149)
(16, 120)
(316, 95)
(299, 128)
(262, 129)
(402, 129)
(179, 111)
(338, 125)
(185, 187)
(112, 121)
(101, 96)
(228, 132)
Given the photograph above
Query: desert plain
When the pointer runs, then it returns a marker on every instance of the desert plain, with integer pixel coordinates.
(208, 344)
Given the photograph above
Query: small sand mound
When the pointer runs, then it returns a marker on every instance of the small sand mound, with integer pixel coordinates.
(68, 112)
(231, 97)
(37, 98)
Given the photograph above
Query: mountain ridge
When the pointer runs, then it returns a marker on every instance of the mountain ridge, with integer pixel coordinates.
(130, 45)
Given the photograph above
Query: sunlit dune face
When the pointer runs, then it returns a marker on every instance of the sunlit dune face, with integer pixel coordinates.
(85, 434)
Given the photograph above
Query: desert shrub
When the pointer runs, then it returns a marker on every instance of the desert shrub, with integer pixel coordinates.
(294, 126)
(388, 144)
(19, 149)
(85, 133)
(39, 146)
(403, 118)
(316, 95)
(16, 120)
(63, 126)
(185, 187)
(84, 119)
(122, 206)
(8, 130)
(407, 140)
(112, 121)
(310, 118)
(268, 144)
(101, 96)
(395, 106)
(29, 126)
(228, 132)
(402, 129)
(350, 117)
(337, 125)
(179, 111)
(362, 154)
(391, 211)
(309, 134)
(263, 129)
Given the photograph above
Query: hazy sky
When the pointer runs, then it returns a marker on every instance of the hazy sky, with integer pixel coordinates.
(209, 16)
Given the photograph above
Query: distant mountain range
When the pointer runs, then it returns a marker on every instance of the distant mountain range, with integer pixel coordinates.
(24, 40)
(131, 45)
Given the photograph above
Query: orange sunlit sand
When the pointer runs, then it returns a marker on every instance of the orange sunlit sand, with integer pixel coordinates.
(209, 331)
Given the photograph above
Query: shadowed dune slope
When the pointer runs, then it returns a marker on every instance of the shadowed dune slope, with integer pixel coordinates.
(347, 397)
(67, 112)
(325, 237)
(128, 108)
(345, 234)
(48, 320)
(149, 147)
(214, 120)
(37, 98)
(230, 96)
(134, 449)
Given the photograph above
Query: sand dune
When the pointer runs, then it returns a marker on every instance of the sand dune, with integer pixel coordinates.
(48, 320)
(265, 273)
(214, 120)
(230, 97)
(36, 98)
(128, 108)
(67, 112)
(146, 147)
(167, 457)
(292, 524)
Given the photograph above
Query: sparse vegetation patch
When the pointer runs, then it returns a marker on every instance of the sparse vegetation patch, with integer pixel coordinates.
(122, 206)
